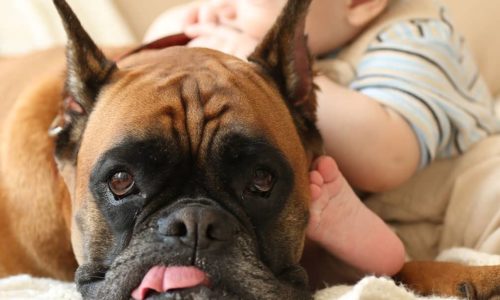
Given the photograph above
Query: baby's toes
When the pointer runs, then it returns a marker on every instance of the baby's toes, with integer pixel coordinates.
(328, 168)
(315, 191)
(316, 178)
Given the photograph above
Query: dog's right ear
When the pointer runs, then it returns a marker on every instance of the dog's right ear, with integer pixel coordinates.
(283, 54)
(87, 71)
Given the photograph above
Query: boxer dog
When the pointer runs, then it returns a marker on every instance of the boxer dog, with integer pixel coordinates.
(179, 173)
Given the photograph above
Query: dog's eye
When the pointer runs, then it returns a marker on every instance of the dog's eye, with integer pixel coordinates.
(262, 183)
(121, 184)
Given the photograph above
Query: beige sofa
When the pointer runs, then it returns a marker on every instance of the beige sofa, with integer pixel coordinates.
(478, 21)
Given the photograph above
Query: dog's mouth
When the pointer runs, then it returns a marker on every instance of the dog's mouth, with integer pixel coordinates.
(160, 282)
(165, 281)
(237, 275)
(170, 258)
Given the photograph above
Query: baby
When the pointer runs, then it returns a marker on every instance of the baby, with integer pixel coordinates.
(396, 89)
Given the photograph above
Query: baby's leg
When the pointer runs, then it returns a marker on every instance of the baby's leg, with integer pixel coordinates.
(375, 147)
(346, 228)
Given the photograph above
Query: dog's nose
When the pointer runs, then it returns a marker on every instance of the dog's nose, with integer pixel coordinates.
(198, 226)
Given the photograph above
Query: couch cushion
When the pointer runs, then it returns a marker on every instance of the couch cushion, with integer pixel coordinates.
(478, 21)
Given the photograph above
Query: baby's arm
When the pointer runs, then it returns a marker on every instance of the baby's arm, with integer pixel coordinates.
(374, 146)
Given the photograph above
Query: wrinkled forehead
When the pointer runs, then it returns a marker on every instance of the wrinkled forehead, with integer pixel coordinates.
(152, 91)
(196, 94)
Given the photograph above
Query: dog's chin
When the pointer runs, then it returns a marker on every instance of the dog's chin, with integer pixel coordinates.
(195, 293)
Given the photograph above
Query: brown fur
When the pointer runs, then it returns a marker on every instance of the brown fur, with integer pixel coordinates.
(35, 207)
(445, 278)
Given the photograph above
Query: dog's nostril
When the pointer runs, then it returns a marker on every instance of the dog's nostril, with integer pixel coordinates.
(197, 226)
(179, 229)
(220, 232)
(210, 232)
(170, 227)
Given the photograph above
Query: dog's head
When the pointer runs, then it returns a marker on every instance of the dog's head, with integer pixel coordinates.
(187, 167)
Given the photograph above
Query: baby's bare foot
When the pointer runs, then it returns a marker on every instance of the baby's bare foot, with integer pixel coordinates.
(344, 226)
(328, 190)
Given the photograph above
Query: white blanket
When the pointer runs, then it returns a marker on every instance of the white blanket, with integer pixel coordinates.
(25, 287)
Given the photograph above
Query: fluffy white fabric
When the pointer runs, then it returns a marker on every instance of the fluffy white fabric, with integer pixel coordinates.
(25, 287)
(371, 288)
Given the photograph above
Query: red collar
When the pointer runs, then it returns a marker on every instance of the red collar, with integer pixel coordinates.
(172, 40)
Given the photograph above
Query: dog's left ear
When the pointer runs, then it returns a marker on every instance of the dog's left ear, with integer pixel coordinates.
(87, 71)
(284, 55)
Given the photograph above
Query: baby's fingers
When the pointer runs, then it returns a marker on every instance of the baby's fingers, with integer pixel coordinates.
(207, 14)
(196, 30)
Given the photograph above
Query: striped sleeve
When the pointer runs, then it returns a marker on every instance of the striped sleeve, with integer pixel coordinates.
(422, 70)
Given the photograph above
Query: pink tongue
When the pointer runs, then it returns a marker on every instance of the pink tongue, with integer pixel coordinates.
(162, 279)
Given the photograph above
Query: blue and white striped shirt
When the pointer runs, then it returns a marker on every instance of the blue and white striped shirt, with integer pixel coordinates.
(422, 69)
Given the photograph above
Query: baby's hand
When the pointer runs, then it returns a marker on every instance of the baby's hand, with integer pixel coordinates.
(222, 38)
(179, 18)
(209, 12)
